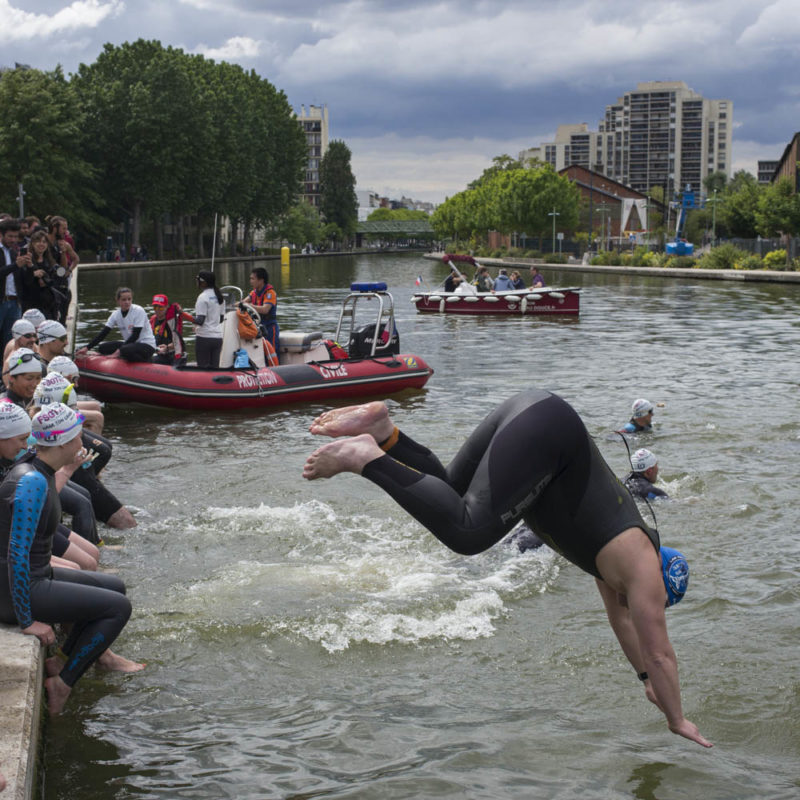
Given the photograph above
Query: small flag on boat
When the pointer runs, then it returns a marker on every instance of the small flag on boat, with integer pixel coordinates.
(418, 281)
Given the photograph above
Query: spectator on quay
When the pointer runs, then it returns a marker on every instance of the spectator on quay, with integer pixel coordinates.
(537, 279)
(138, 342)
(38, 274)
(64, 257)
(10, 280)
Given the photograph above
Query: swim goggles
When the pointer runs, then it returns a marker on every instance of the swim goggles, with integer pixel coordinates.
(23, 359)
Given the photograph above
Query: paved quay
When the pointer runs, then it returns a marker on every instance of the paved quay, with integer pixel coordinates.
(21, 694)
(755, 275)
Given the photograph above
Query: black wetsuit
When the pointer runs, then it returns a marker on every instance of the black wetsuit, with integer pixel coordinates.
(31, 590)
(104, 502)
(531, 459)
(642, 488)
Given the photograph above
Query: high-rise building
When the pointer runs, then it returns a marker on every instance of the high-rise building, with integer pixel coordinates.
(663, 134)
(315, 127)
(766, 169)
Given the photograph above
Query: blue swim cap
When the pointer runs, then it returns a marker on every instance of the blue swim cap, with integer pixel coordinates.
(675, 570)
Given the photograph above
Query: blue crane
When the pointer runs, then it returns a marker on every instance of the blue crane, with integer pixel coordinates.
(680, 247)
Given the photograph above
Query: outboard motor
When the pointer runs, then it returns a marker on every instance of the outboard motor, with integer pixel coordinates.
(360, 344)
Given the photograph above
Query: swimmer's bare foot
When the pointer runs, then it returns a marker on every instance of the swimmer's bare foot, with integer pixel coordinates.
(371, 418)
(122, 519)
(346, 455)
(57, 694)
(52, 666)
(116, 663)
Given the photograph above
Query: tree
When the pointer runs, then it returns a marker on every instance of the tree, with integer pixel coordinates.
(778, 212)
(300, 225)
(715, 181)
(737, 209)
(41, 131)
(385, 214)
(339, 204)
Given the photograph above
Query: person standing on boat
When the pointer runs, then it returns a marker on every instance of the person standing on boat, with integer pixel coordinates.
(208, 315)
(264, 299)
(641, 420)
(531, 459)
(138, 342)
(537, 279)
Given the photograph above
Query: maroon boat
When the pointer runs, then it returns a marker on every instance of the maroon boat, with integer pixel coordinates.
(520, 302)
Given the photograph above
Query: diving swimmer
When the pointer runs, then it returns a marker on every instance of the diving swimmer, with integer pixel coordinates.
(531, 459)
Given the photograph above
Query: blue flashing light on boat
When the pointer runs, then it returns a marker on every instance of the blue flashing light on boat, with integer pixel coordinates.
(368, 287)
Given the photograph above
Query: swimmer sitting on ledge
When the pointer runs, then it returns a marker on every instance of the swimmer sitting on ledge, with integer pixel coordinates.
(533, 459)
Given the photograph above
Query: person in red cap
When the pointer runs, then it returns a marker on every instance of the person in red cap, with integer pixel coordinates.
(167, 326)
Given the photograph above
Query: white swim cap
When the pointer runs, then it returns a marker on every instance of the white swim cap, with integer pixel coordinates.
(35, 316)
(54, 388)
(63, 365)
(23, 360)
(14, 420)
(22, 327)
(56, 424)
(49, 330)
(641, 408)
(641, 460)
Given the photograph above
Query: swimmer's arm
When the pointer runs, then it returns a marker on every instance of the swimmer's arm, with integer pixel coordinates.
(28, 503)
(646, 604)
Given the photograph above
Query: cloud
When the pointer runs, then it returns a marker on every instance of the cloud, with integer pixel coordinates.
(777, 25)
(423, 167)
(235, 48)
(22, 25)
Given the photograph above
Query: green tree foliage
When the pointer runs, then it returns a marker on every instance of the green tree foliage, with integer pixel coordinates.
(338, 204)
(40, 137)
(385, 214)
(300, 225)
(737, 207)
(175, 133)
(778, 210)
(510, 200)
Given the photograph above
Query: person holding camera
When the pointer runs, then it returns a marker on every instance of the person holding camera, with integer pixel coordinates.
(38, 275)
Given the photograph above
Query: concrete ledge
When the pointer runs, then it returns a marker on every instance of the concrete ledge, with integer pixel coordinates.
(755, 275)
(21, 672)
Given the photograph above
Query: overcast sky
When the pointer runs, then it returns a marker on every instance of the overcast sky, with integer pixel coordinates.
(426, 93)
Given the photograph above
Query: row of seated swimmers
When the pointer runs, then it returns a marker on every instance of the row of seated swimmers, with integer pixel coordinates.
(483, 281)
(640, 481)
(52, 502)
(34, 359)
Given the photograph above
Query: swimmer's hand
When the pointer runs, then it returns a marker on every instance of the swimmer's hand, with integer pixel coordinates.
(689, 731)
(42, 631)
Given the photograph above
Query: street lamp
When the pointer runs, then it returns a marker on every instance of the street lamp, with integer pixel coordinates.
(714, 219)
(554, 214)
(21, 201)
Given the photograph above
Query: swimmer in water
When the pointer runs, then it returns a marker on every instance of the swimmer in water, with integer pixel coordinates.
(641, 420)
(642, 478)
(532, 459)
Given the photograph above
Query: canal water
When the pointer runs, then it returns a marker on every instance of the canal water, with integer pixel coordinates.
(309, 640)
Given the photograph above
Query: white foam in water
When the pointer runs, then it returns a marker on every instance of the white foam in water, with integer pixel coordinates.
(342, 580)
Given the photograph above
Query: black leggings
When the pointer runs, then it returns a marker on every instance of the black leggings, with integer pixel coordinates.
(207, 351)
(135, 351)
(95, 604)
(531, 458)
